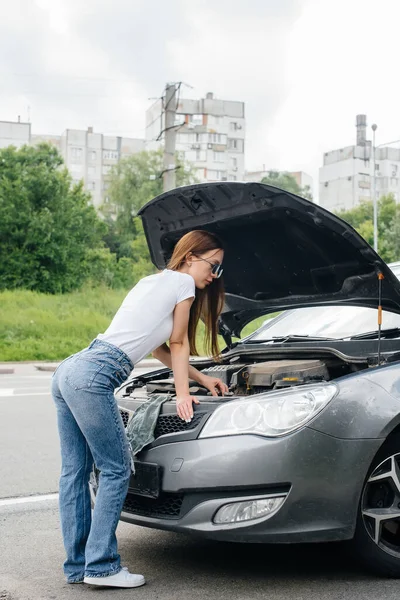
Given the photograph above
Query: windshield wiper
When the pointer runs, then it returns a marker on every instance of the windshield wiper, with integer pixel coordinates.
(370, 335)
(293, 338)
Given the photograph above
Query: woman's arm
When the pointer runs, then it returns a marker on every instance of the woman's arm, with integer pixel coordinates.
(177, 358)
(163, 354)
(180, 351)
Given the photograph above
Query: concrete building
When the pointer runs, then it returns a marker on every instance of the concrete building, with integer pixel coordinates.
(346, 177)
(302, 179)
(211, 136)
(14, 134)
(89, 156)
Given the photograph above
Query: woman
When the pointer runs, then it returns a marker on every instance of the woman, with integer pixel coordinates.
(163, 306)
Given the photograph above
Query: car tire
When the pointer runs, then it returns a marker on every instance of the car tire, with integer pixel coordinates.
(376, 542)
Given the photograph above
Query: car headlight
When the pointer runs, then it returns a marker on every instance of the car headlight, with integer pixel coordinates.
(272, 414)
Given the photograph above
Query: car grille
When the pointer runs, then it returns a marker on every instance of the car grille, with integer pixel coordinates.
(174, 424)
(167, 506)
(125, 416)
(167, 423)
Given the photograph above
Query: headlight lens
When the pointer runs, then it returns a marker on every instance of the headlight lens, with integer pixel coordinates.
(272, 415)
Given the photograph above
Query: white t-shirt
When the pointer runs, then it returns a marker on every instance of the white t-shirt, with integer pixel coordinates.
(144, 320)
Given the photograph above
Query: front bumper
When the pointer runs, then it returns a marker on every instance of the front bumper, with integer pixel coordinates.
(321, 475)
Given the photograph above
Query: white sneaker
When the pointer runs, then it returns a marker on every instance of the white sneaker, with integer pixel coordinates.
(122, 579)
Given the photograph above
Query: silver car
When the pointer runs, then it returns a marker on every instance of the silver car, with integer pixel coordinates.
(306, 446)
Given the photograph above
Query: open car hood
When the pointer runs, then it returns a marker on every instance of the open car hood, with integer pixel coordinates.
(281, 251)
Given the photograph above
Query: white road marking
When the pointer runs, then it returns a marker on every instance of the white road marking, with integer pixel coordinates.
(14, 376)
(27, 499)
(7, 392)
(37, 388)
(13, 394)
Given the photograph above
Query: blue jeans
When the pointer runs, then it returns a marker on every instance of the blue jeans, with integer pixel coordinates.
(91, 429)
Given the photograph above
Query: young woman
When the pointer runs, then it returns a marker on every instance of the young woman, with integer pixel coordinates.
(161, 307)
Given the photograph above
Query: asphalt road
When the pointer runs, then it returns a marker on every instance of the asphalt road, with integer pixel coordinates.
(29, 449)
(175, 566)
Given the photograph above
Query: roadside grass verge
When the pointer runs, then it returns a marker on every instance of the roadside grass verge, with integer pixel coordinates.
(36, 326)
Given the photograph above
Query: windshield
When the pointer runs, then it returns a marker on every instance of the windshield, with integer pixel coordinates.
(327, 321)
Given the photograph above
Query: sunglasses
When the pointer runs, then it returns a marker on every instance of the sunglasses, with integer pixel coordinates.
(216, 269)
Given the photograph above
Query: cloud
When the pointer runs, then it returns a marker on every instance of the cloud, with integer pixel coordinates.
(238, 51)
(67, 80)
(342, 60)
(97, 62)
(304, 68)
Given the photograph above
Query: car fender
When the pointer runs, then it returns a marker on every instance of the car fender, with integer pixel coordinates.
(367, 406)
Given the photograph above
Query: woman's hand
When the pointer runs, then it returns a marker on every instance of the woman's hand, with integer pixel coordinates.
(214, 384)
(184, 406)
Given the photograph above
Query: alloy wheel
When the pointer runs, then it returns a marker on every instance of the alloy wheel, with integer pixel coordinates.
(380, 505)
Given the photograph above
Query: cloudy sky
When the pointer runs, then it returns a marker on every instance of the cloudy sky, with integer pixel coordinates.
(304, 68)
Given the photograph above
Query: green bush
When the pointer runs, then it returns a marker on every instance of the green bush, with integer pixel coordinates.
(102, 267)
(35, 326)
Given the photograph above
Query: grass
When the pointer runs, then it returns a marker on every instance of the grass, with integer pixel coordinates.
(36, 326)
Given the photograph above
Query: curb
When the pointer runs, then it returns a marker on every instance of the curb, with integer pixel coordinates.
(51, 367)
(144, 364)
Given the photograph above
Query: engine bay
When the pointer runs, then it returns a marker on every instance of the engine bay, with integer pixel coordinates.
(245, 378)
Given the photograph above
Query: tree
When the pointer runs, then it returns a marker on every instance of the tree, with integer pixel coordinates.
(286, 181)
(392, 241)
(138, 178)
(361, 218)
(46, 223)
(134, 181)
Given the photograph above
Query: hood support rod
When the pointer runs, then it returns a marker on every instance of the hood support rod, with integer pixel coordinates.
(380, 278)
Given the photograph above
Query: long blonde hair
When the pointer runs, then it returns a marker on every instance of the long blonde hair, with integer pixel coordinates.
(209, 302)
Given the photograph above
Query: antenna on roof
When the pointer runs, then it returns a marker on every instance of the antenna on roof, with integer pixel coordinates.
(380, 278)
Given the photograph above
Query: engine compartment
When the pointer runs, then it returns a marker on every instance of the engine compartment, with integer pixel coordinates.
(245, 378)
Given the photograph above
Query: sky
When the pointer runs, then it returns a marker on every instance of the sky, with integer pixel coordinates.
(304, 68)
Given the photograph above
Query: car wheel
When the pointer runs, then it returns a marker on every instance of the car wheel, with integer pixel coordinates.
(377, 538)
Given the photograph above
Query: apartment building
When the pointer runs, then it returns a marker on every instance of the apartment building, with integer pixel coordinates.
(347, 175)
(14, 134)
(88, 155)
(210, 134)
